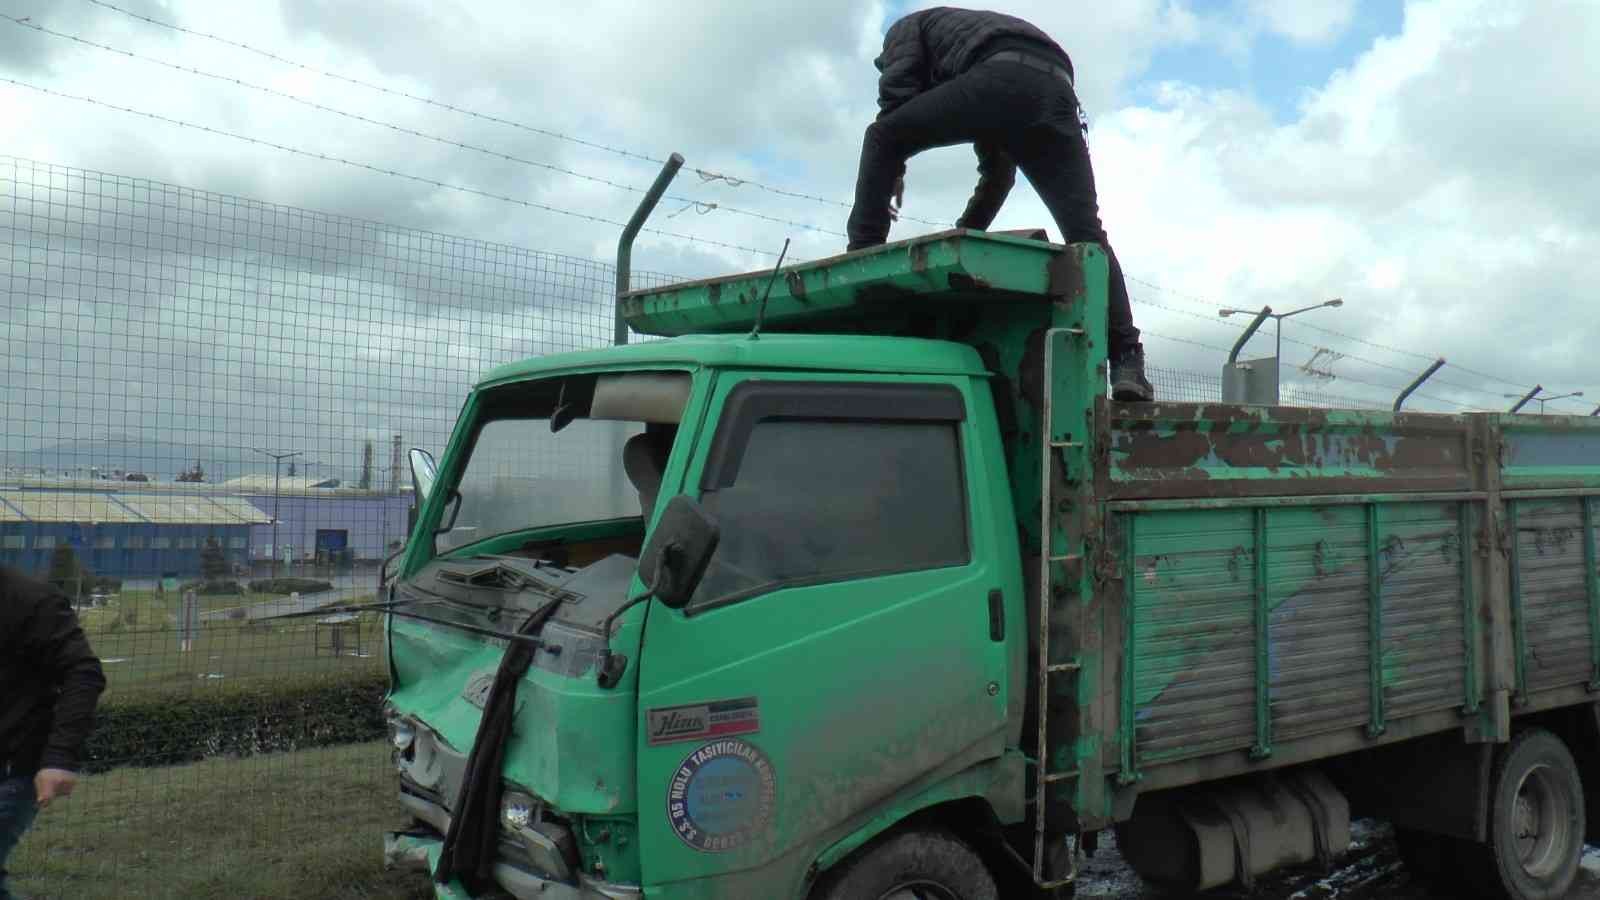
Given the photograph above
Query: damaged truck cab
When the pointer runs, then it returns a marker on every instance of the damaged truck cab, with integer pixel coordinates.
(856, 586)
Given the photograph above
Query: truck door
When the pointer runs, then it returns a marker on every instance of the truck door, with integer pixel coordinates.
(840, 649)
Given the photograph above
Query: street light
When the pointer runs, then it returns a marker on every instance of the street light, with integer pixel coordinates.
(1534, 395)
(1277, 353)
(277, 460)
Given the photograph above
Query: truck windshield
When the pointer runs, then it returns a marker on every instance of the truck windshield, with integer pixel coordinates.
(578, 449)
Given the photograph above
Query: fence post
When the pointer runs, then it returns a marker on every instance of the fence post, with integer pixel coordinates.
(1527, 397)
(669, 170)
(1400, 400)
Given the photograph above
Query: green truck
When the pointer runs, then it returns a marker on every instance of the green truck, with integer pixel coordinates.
(855, 585)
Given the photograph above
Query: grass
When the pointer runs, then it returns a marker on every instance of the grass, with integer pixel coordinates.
(299, 825)
(138, 645)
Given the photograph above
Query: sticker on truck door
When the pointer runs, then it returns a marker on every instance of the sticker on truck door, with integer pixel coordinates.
(718, 718)
(721, 795)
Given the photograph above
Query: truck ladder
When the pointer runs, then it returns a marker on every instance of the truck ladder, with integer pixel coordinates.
(1044, 779)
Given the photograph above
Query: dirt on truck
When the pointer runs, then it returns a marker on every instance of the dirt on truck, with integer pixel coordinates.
(855, 585)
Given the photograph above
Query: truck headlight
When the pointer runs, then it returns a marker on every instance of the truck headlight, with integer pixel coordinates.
(516, 810)
(402, 734)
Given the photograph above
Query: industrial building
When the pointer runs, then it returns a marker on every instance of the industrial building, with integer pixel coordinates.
(147, 529)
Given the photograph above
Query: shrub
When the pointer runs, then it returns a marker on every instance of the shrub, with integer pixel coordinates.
(289, 586)
(211, 588)
(107, 584)
(237, 720)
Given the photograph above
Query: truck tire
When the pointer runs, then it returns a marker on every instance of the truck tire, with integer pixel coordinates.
(1536, 820)
(912, 865)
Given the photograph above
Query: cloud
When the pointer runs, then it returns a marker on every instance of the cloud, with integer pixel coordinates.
(1441, 182)
(1303, 21)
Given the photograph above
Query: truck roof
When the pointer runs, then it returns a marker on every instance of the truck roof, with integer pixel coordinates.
(833, 352)
(872, 290)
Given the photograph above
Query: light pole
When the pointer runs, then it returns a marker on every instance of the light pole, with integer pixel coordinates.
(277, 461)
(1524, 398)
(1277, 352)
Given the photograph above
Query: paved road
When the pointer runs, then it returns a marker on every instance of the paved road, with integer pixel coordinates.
(1371, 870)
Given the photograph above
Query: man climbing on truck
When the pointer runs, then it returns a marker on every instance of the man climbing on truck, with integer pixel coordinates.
(952, 76)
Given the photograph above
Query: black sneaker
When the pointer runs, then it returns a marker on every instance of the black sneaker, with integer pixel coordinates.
(1128, 384)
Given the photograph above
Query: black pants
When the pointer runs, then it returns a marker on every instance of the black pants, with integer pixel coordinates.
(1033, 115)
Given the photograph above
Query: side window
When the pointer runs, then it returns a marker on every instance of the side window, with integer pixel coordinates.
(809, 490)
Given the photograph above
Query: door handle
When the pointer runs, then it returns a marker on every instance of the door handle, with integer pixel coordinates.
(997, 616)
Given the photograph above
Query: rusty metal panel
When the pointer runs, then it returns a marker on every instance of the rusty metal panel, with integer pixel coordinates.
(1208, 450)
(1553, 588)
(1424, 657)
(1192, 634)
(1319, 627)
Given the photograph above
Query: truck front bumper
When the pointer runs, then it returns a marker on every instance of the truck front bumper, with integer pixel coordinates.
(420, 851)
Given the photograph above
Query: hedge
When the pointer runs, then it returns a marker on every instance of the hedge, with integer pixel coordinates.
(210, 588)
(239, 720)
(289, 586)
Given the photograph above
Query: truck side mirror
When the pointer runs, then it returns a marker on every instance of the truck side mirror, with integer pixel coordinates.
(675, 559)
(423, 474)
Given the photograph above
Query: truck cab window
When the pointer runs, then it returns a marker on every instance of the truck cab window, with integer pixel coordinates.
(817, 500)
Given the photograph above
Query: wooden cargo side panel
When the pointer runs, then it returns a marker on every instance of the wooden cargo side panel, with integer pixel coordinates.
(1424, 634)
(1189, 633)
(1550, 600)
(1320, 625)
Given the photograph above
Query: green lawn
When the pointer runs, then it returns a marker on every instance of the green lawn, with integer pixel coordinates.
(138, 645)
(297, 825)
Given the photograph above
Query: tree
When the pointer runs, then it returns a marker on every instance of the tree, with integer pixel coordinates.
(213, 565)
(366, 467)
(68, 573)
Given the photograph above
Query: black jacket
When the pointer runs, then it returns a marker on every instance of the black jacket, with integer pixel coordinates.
(50, 680)
(930, 47)
(927, 48)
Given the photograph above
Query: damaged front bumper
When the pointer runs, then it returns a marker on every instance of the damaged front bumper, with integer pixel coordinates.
(419, 850)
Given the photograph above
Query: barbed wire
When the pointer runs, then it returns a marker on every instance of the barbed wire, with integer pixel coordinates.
(381, 170)
(1291, 340)
(403, 129)
(1201, 301)
(705, 175)
(1394, 389)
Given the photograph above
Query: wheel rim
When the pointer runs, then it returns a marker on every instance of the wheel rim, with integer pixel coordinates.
(1541, 822)
(919, 890)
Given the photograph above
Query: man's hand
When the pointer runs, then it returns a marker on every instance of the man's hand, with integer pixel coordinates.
(897, 199)
(52, 783)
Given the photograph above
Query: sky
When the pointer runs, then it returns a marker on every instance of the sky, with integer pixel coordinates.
(1431, 162)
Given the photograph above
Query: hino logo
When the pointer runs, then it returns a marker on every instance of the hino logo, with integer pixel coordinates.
(676, 723)
(717, 718)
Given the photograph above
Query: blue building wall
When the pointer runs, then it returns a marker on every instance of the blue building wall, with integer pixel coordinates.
(365, 525)
(121, 551)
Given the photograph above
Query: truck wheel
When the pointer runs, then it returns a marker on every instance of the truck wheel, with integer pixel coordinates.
(1536, 819)
(913, 865)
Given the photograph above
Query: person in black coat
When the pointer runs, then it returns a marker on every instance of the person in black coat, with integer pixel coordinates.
(954, 76)
(50, 682)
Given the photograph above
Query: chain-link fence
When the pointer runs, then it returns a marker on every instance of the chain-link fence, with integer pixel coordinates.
(206, 400)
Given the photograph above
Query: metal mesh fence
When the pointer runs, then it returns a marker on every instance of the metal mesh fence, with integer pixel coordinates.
(1183, 386)
(205, 401)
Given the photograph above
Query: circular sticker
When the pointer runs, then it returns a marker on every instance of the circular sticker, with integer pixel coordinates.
(721, 795)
